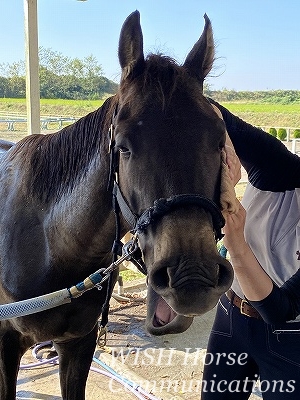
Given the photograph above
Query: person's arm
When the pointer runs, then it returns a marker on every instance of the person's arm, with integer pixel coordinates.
(255, 283)
(265, 158)
(275, 305)
(282, 304)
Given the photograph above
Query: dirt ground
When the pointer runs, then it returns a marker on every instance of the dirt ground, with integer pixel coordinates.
(155, 364)
(168, 367)
(161, 368)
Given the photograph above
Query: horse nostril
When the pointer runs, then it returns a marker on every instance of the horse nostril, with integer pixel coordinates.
(160, 278)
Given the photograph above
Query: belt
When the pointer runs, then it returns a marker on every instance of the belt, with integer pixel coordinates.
(244, 307)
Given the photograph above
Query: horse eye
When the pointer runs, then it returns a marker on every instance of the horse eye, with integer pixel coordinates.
(124, 151)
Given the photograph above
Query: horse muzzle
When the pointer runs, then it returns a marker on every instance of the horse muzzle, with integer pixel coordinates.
(180, 291)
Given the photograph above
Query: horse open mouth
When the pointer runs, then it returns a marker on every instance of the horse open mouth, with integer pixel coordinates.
(161, 318)
(164, 313)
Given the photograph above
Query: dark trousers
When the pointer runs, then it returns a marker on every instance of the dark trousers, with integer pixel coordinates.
(242, 350)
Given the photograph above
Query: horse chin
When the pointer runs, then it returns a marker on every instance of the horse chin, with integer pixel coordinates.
(161, 318)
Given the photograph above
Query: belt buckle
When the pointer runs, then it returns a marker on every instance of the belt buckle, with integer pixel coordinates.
(243, 302)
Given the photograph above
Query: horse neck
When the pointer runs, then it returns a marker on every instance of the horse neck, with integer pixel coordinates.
(83, 212)
(65, 175)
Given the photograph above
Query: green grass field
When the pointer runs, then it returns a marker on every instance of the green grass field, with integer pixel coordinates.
(263, 107)
(53, 107)
(267, 115)
(259, 114)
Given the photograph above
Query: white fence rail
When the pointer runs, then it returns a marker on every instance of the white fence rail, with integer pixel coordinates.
(12, 120)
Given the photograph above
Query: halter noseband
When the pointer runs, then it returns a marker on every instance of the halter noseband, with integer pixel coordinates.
(164, 206)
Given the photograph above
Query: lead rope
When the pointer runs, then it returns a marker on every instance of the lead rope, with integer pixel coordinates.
(63, 296)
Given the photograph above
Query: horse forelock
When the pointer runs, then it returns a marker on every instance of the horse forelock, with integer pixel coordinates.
(52, 164)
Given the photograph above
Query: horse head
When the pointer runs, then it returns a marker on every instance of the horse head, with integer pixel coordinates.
(169, 142)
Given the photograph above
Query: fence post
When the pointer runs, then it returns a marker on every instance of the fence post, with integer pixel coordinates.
(32, 66)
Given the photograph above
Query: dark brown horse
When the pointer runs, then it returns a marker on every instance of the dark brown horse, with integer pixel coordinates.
(58, 225)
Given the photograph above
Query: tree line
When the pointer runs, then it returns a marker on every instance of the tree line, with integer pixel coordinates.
(61, 77)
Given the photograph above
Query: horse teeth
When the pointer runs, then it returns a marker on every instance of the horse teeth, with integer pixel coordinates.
(159, 322)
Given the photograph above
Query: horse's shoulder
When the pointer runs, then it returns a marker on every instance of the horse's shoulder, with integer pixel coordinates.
(14, 166)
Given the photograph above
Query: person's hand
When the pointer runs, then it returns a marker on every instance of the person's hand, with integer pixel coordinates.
(233, 162)
(234, 239)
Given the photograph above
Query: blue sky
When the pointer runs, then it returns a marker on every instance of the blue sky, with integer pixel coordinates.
(257, 41)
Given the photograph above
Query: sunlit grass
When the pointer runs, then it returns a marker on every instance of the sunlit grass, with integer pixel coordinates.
(236, 107)
(129, 275)
(76, 103)
(72, 103)
(259, 114)
(267, 115)
(53, 107)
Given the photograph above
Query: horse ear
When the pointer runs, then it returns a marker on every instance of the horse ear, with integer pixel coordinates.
(200, 59)
(131, 56)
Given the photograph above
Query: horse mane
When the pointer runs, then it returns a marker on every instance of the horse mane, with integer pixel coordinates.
(53, 163)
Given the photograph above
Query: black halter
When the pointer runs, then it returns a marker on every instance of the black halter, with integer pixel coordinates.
(161, 207)
(164, 206)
